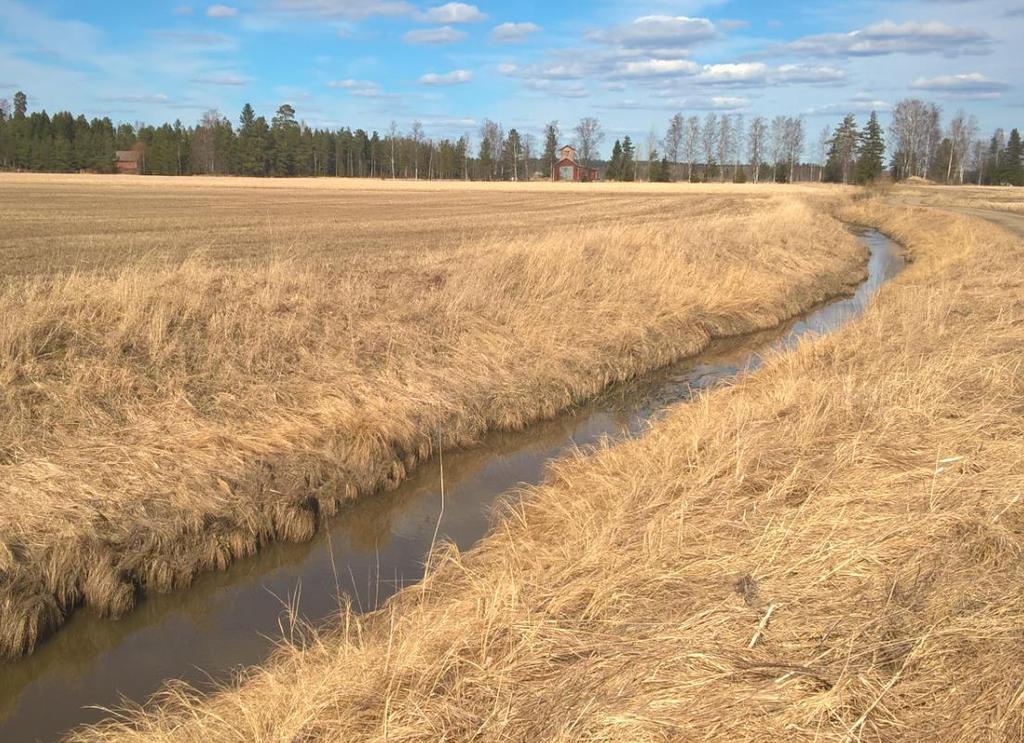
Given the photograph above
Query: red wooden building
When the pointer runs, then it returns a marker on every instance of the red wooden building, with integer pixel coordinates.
(128, 161)
(568, 167)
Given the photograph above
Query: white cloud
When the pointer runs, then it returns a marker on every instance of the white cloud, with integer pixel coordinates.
(567, 70)
(157, 98)
(513, 32)
(796, 73)
(968, 85)
(888, 37)
(659, 68)
(733, 73)
(442, 35)
(857, 105)
(455, 77)
(454, 13)
(346, 8)
(221, 11)
(669, 32)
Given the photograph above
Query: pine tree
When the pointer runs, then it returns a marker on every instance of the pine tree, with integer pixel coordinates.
(870, 152)
(20, 105)
(615, 166)
(286, 140)
(842, 151)
(1012, 162)
(550, 148)
(627, 171)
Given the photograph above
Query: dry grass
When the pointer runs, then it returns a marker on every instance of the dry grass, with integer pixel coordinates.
(829, 550)
(169, 407)
(998, 198)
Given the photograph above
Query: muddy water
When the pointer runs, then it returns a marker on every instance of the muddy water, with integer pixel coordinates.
(368, 551)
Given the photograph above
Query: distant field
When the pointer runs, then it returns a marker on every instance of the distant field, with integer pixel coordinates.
(54, 222)
(1004, 198)
(190, 368)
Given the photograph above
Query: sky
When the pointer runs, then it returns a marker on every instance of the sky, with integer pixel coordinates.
(630, 63)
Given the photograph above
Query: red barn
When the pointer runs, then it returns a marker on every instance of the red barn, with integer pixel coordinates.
(128, 161)
(568, 167)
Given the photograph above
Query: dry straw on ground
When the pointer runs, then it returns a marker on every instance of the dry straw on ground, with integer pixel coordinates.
(175, 402)
(828, 550)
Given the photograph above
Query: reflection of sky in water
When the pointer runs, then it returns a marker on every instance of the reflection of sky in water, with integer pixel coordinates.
(372, 548)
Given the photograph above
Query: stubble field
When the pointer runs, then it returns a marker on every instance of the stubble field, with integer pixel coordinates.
(192, 368)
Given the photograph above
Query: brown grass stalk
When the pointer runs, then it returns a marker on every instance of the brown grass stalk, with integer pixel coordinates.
(617, 601)
(165, 414)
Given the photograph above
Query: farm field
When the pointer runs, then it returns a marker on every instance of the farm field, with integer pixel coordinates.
(1001, 199)
(192, 368)
(828, 549)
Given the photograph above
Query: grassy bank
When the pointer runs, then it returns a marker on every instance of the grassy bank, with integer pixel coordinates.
(830, 549)
(164, 414)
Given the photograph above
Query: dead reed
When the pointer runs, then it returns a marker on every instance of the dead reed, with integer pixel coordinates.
(166, 415)
(828, 550)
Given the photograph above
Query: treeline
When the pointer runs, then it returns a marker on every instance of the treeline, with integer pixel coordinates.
(722, 147)
(717, 147)
(924, 148)
(282, 146)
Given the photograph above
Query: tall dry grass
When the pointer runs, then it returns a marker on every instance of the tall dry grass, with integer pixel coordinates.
(828, 550)
(163, 417)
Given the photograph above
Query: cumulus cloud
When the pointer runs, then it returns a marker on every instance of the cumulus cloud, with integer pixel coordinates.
(968, 85)
(360, 88)
(736, 73)
(797, 73)
(861, 104)
(221, 11)
(441, 35)
(454, 13)
(667, 32)
(545, 71)
(157, 98)
(513, 32)
(888, 37)
(346, 8)
(659, 68)
(455, 77)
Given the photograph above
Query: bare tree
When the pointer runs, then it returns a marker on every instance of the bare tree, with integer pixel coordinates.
(777, 146)
(794, 143)
(725, 144)
(914, 135)
(416, 136)
(674, 140)
(824, 140)
(589, 136)
(691, 141)
(978, 158)
(709, 141)
(738, 130)
(204, 143)
(652, 150)
(757, 142)
(529, 150)
(393, 135)
(962, 131)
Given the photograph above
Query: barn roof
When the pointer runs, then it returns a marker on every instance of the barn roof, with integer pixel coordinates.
(127, 155)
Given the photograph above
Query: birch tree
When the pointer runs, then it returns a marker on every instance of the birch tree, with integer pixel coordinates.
(756, 143)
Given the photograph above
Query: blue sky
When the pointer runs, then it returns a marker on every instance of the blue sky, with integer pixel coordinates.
(631, 64)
